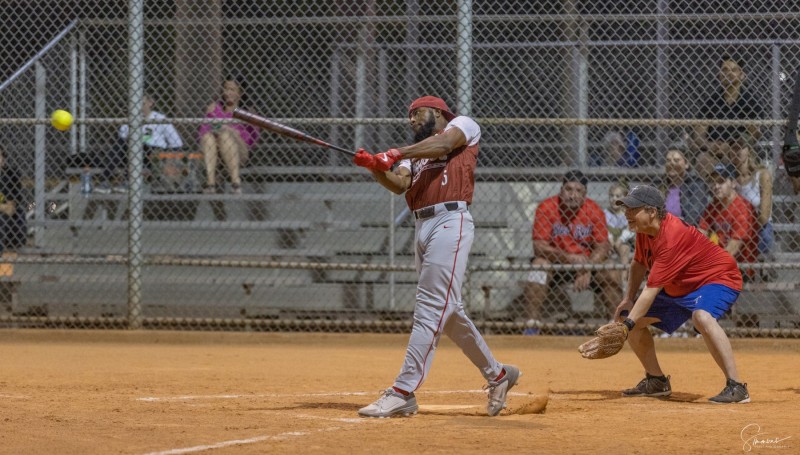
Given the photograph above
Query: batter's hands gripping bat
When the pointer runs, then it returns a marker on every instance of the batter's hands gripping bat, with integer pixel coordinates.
(283, 130)
(791, 150)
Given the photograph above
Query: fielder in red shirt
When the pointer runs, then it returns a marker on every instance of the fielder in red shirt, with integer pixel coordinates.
(690, 277)
(570, 228)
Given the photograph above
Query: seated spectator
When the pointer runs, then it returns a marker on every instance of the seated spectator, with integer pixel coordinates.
(733, 102)
(570, 228)
(729, 220)
(618, 150)
(755, 184)
(13, 224)
(686, 193)
(156, 137)
(620, 237)
(231, 141)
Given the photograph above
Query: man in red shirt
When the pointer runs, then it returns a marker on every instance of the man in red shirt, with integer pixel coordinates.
(690, 277)
(570, 228)
(729, 218)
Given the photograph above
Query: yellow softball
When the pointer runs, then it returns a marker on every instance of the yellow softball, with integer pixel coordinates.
(61, 120)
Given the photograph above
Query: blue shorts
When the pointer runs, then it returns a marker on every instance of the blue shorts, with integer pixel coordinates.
(716, 299)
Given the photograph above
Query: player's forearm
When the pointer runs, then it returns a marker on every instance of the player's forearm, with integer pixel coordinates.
(635, 277)
(643, 303)
(425, 149)
(391, 181)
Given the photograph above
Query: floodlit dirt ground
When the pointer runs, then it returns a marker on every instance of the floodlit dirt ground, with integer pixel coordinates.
(168, 392)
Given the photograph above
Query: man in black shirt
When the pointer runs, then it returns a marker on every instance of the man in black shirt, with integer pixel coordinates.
(733, 102)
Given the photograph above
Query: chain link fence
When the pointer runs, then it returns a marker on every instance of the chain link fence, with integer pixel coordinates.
(266, 233)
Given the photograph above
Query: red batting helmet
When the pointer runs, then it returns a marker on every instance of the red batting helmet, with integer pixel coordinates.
(432, 102)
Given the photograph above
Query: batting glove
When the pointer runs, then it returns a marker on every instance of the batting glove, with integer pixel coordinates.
(364, 159)
(385, 160)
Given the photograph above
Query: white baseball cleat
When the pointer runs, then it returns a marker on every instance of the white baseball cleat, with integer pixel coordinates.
(391, 404)
(498, 390)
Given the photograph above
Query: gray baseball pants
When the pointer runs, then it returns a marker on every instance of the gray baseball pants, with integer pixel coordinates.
(443, 241)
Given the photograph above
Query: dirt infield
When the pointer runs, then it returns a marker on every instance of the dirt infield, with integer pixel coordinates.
(170, 393)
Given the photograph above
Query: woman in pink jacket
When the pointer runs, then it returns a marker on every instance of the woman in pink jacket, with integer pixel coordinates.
(231, 141)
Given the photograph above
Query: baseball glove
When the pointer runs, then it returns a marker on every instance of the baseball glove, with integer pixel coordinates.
(791, 159)
(609, 341)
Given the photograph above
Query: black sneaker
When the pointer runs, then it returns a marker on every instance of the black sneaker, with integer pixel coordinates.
(734, 392)
(650, 386)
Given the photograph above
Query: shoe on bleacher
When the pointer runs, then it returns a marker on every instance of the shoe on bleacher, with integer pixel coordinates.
(121, 188)
(391, 404)
(734, 392)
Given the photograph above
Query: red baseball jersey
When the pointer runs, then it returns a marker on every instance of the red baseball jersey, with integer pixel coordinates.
(681, 259)
(737, 221)
(448, 178)
(576, 235)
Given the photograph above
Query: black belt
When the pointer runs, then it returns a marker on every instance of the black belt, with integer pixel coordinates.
(429, 211)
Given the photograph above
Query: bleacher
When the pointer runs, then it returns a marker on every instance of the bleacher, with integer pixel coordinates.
(341, 216)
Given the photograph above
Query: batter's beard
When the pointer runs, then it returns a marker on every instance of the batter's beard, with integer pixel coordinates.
(425, 130)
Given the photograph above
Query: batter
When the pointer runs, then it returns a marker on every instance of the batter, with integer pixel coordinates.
(437, 175)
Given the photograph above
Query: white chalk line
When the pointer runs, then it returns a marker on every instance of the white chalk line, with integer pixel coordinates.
(278, 437)
(237, 442)
(281, 436)
(304, 395)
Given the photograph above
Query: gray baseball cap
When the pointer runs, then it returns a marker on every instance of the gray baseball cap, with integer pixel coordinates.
(643, 195)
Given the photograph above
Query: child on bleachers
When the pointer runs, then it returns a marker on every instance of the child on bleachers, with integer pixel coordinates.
(620, 237)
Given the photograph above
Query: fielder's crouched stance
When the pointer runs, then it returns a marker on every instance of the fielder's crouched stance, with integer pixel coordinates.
(437, 176)
(690, 277)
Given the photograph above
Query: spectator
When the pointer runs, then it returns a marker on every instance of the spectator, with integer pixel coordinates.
(620, 237)
(755, 185)
(618, 150)
(570, 228)
(687, 194)
(13, 225)
(156, 137)
(231, 141)
(729, 220)
(733, 102)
